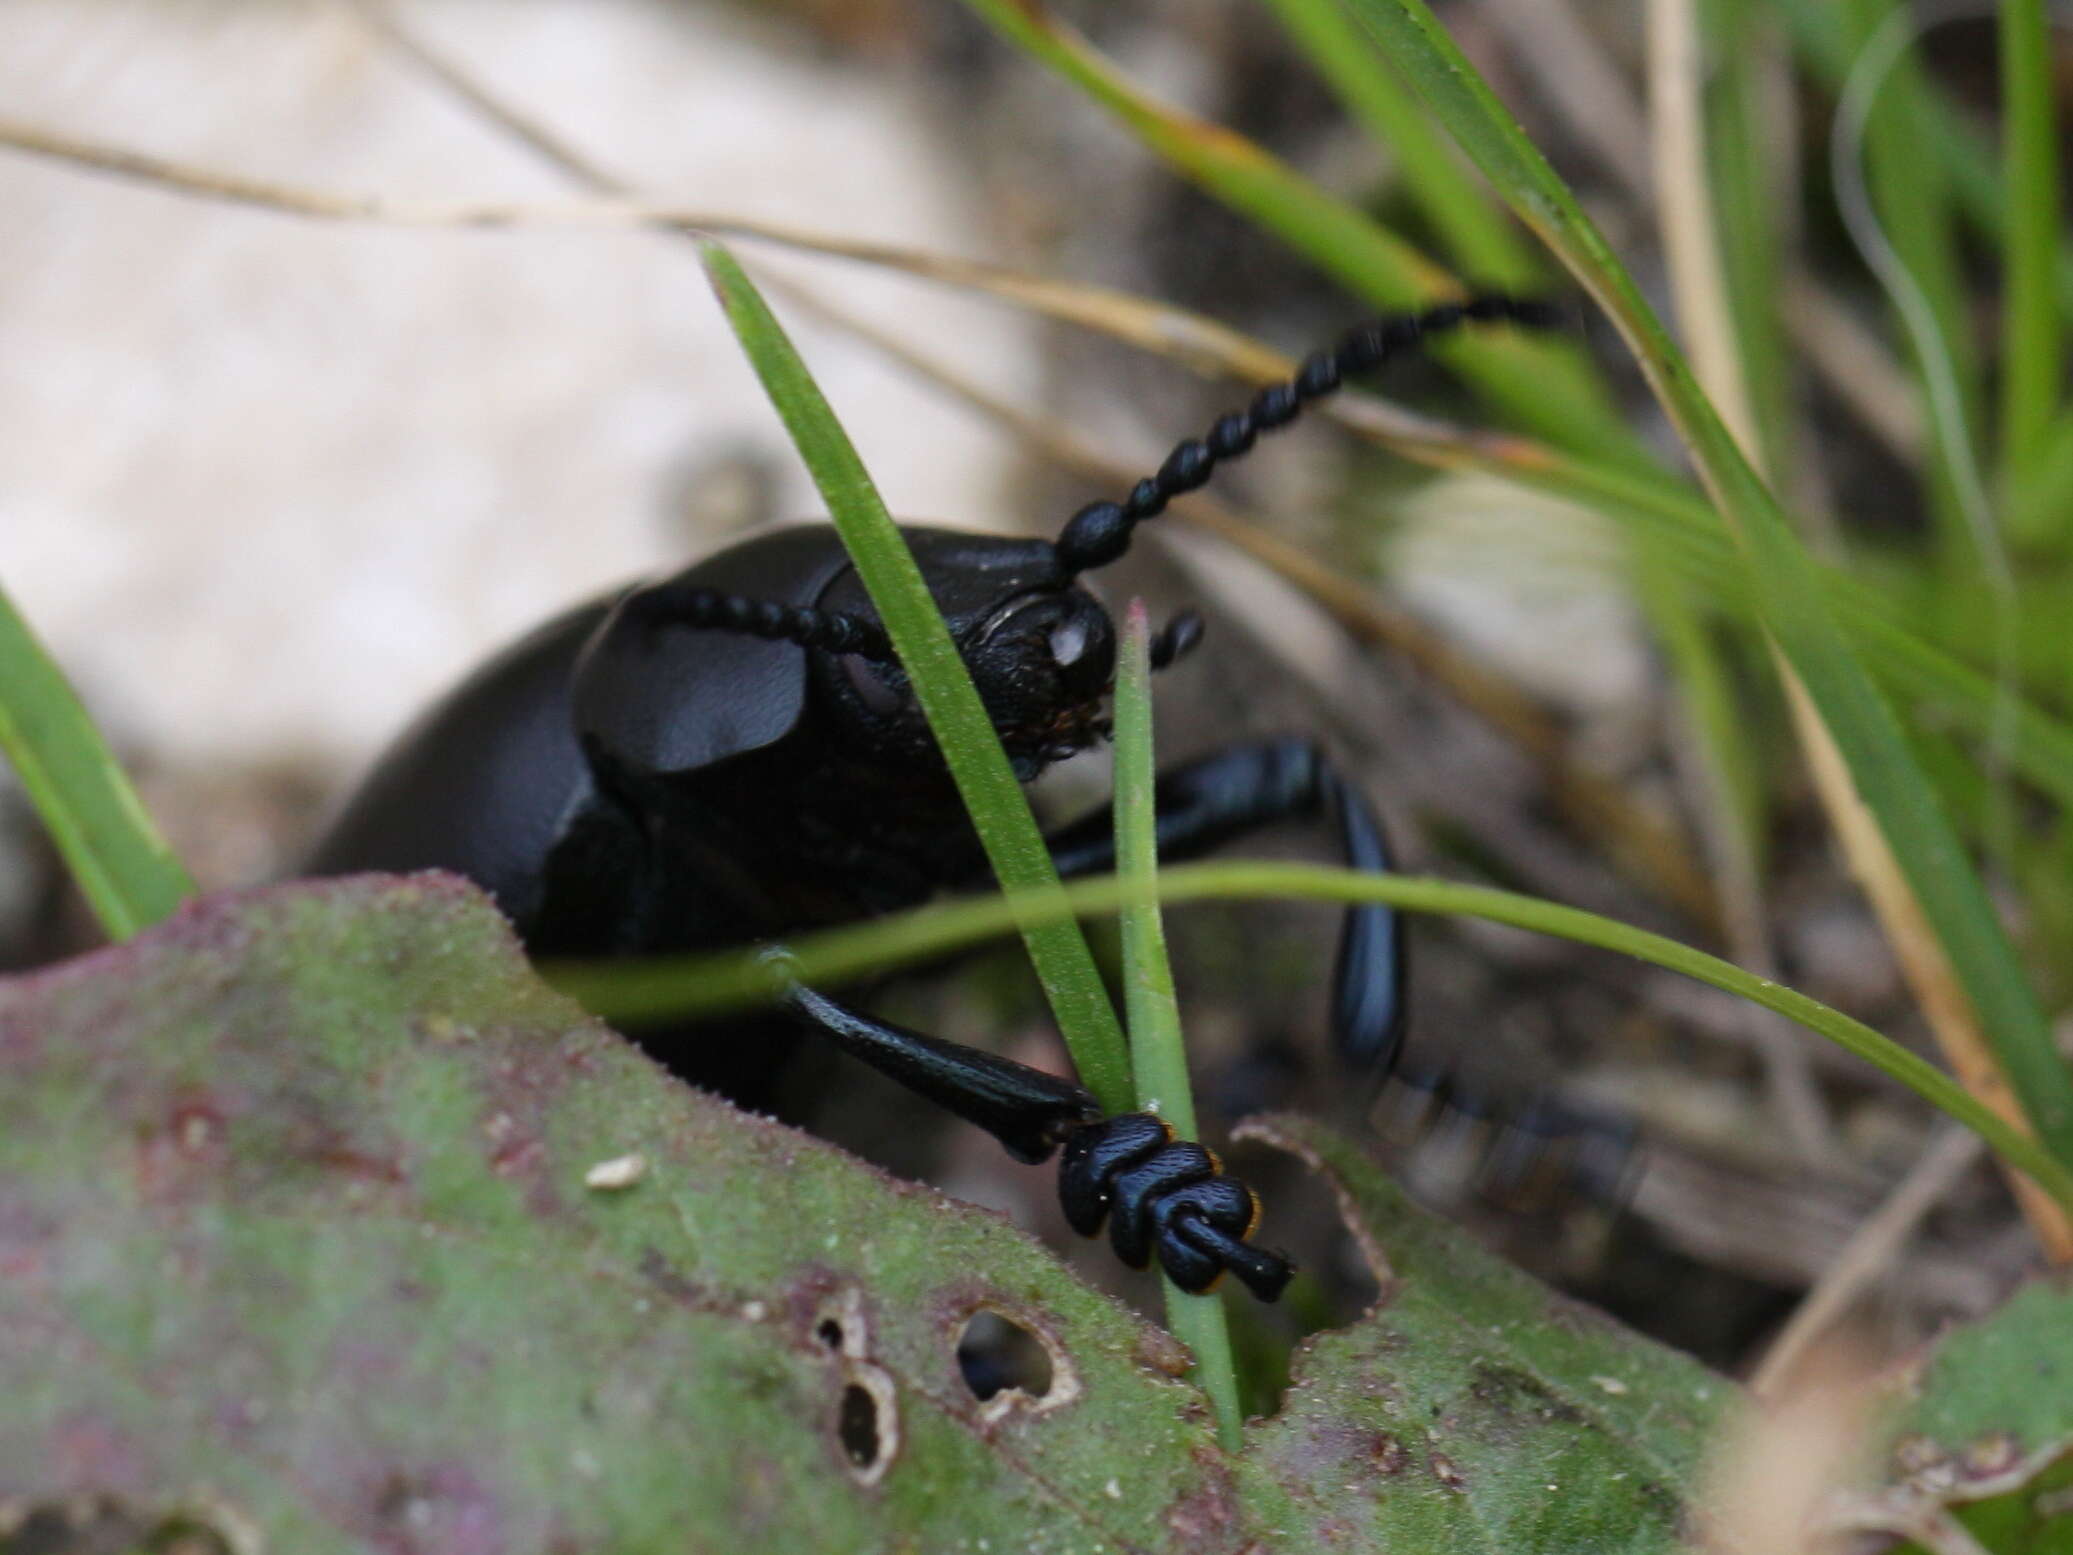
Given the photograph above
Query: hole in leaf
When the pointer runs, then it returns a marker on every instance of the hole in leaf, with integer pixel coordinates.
(829, 1333)
(996, 1353)
(867, 1421)
(99, 1523)
(858, 1426)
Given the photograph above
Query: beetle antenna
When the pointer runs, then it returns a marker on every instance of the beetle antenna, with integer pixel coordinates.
(712, 610)
(1100, 531)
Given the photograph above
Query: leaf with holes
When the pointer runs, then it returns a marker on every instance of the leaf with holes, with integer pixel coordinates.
(1980, 1433)
(1473, 1409)
(324, 1225)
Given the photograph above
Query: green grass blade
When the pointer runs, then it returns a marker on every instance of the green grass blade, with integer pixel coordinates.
(2030, 324)
(2039, 507)
(129, 876)
(1545, 385)
(1689, 533)
(1938, 129)
(998, 808)
(1785, 581)
(1158, 1059)
(672, 987)
(1917, 214)
(1477, 233)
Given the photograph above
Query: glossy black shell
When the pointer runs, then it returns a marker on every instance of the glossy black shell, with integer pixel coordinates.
(621, 790)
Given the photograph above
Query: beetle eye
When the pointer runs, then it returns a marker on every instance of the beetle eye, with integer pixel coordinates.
(868, 678)
(1068, 642)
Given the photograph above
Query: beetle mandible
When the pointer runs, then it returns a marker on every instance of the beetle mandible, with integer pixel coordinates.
(733, 755)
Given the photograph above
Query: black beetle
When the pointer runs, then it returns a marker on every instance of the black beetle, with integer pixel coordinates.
(732, 755)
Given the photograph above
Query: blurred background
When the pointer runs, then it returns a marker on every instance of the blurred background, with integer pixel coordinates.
(268, 484)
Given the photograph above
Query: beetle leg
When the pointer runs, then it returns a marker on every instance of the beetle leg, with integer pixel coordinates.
(1229, 793)
(1028, 1111)
(1523, 1149)
(1159, 1196)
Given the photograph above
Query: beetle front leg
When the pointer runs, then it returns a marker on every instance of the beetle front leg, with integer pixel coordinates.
(1229, 793)
(1159, 1197)
(1028, 1111)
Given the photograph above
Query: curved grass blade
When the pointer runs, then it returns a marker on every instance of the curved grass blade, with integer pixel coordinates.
(673, 987)
(129, 876)
(2030, 323)
(998, 809)
(1910, 238)
(1484, 246)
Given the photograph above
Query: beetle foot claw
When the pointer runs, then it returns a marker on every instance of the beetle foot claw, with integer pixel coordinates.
(1165, 1198)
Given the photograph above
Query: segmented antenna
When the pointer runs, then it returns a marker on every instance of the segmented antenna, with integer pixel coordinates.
(1100, 532)
(704, 609)
(1176, 639)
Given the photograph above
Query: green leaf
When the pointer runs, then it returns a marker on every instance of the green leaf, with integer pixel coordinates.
(1984, 1425)
(1158, 1059)
(297, 1240)
(984, 778)
(306, 1249)
(129, 876)
(1507, 1418)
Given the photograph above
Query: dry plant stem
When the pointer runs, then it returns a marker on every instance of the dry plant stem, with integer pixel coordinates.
(1691, 245)
(1195, 342)
(1871, 1250)
(1583, 85)
(1771, 1470)
(1168, 331)
(1934, 1528)
(1684, 214)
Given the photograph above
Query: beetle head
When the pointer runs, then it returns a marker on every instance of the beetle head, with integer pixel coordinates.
(1041, 650)
(735, 639)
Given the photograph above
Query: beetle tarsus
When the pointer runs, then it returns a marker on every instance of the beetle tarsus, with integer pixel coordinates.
(1167, 1199)
(1159, 1197)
